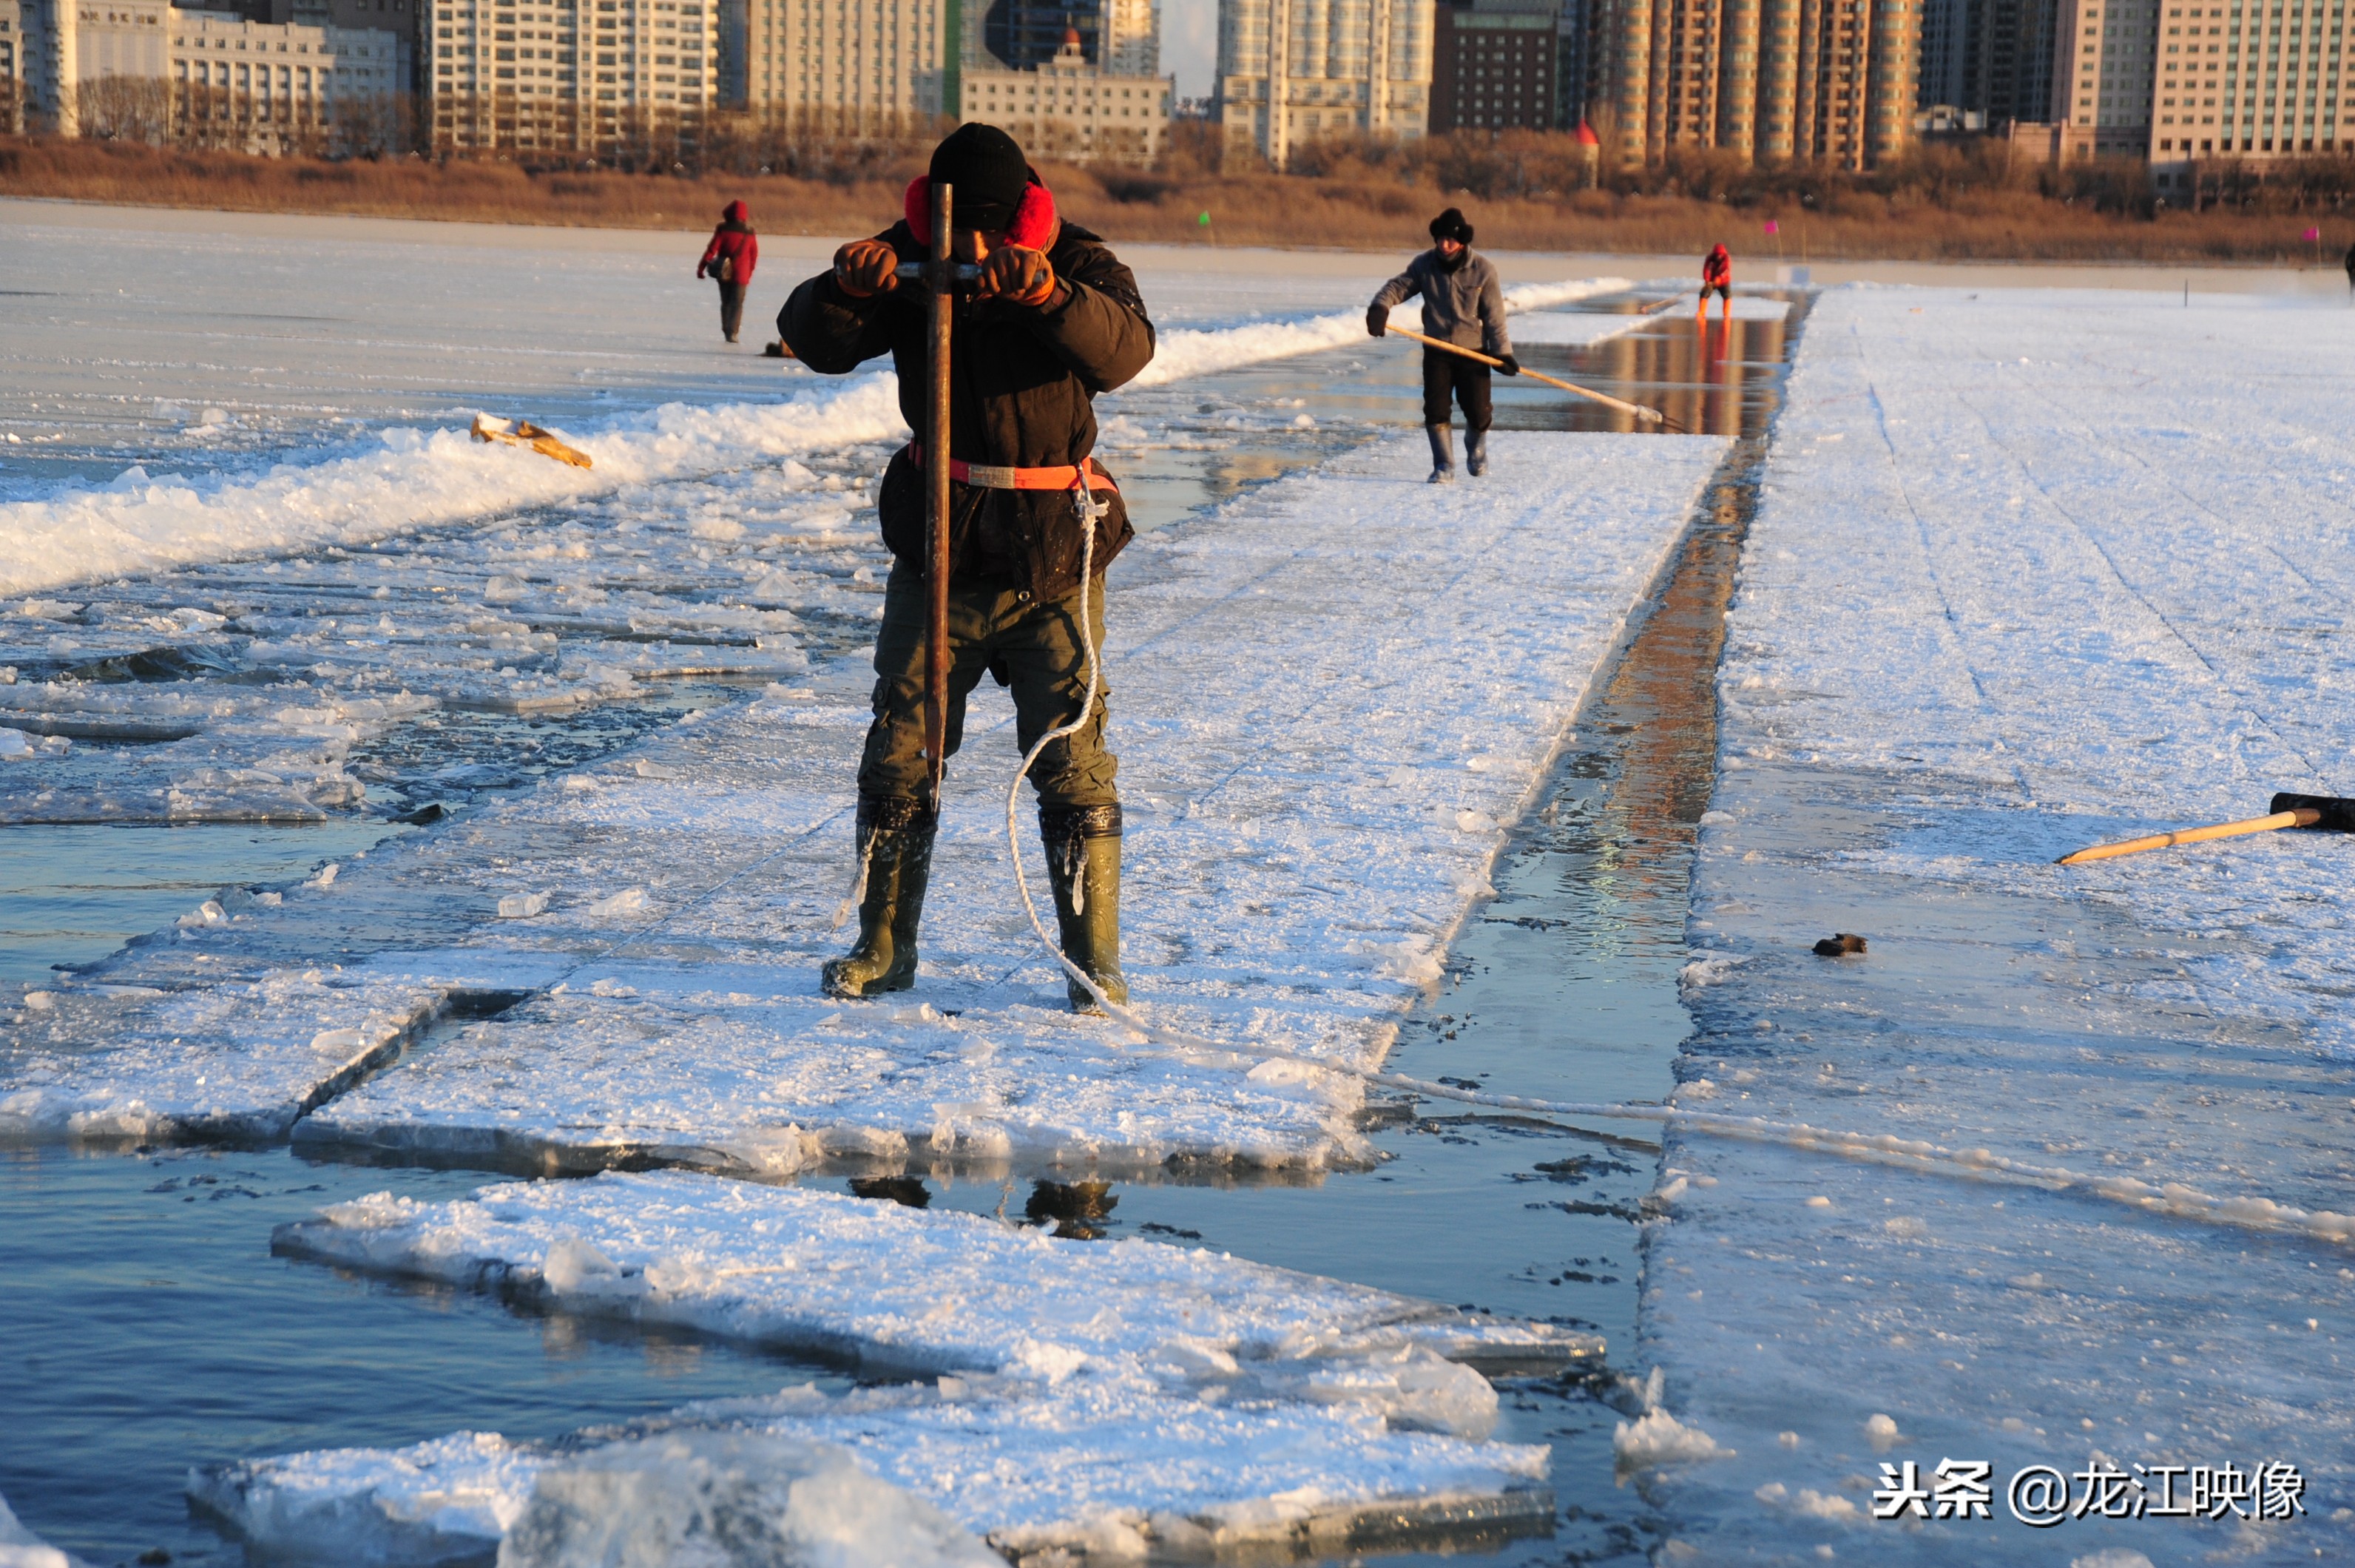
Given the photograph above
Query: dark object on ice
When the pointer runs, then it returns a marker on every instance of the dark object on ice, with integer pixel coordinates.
(1840, 945)
(2337, 815)
(2328, 812)
(907, 1191)
(1074, 1207)
(431, 811)
(154, 1557)
(775, 350)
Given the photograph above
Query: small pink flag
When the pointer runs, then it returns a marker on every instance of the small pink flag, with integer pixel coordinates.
(1772, 226)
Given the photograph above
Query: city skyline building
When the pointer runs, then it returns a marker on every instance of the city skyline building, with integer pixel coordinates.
(2103, 77)
(1815, 79)
(1493, 65)
(1070, 108)
(854, 67)
(2259, 82)
(147, 71)
(601, 77)
(1295, 71)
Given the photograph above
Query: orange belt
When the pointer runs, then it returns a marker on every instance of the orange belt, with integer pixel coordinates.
(991, 476)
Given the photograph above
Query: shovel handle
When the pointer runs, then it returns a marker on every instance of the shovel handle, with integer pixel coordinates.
(1649, 416)
(2304, 816)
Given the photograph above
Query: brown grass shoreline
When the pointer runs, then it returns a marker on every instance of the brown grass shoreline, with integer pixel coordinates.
(1350, 207)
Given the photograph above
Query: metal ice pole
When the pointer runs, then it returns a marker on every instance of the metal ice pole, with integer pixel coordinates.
(936, 499)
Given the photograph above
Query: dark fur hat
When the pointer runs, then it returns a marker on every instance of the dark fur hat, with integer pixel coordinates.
(1450, 225)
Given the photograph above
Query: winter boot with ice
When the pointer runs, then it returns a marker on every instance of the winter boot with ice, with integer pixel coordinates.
(895, 841)
(1443, 454)
(1083, 865)
(1476, 452)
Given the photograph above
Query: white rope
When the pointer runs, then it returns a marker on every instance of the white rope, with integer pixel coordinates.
(1084, 502)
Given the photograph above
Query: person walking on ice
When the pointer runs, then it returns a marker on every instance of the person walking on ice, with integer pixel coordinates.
(1462, 303)
(1716, 273)
(1054, 318)
(731, 257)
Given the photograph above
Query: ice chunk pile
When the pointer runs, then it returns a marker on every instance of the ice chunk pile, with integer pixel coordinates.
(412, 479)
(1104, 1397)
(1326, 704)
(2022, 580)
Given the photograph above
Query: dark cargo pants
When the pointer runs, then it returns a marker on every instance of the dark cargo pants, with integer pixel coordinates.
(731, 308)
(1034, 649)
(1468, 378)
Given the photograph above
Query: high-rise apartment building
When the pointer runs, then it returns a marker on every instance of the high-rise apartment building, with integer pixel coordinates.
(1814, 80)
(2103, 75)
(2259, 81)
(610, 78)
(1292, 71)
(854, 66)
(1493, 65)
(1128, 41)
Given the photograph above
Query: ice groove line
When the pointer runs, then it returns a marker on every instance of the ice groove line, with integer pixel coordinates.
(2175, 1199)
(2093, 541)
(333, 1090)
(1930, 560)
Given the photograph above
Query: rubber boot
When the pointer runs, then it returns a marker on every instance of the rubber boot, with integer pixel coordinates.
(1083, 866)
(1443, 454)
(1476, 452)
(895, 840)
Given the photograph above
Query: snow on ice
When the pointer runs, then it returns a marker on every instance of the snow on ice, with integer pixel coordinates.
(1412, 670)
(2030, 572)
(1102, 1396)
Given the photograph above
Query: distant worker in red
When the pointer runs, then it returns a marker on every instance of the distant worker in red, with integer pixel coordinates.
(1717, 272)
(731, 257)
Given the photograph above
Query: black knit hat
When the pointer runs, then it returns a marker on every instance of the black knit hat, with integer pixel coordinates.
(1450, 225)
(989, 172)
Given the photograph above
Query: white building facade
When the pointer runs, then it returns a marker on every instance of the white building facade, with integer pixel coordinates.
(601, 77)
(853, 66)
(151, 71)
(1070, 110)
(1293, 71)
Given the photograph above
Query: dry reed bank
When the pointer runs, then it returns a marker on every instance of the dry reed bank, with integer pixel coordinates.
(1519, 191)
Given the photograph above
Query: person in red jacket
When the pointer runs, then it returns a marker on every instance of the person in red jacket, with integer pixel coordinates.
(1717, 272)
(731, 257)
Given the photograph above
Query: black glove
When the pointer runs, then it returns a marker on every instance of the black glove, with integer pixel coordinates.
(1508, 365)
(1378, 320)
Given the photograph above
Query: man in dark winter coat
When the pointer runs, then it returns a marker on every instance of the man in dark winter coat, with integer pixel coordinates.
(1053, 319)
(1462, 303)
(733, 253)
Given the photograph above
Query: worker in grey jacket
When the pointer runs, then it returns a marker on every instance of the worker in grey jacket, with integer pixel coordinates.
(1462, 303)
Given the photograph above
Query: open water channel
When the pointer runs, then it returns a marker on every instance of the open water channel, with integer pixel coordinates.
(144, 1328)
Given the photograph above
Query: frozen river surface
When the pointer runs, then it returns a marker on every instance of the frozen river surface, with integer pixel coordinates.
(2028, 571)
(429, 633)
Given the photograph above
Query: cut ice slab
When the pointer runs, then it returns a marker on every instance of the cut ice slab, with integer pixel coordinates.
(923, 1291)
(1391, 681)
(1100, 1468)
(227, 1062)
